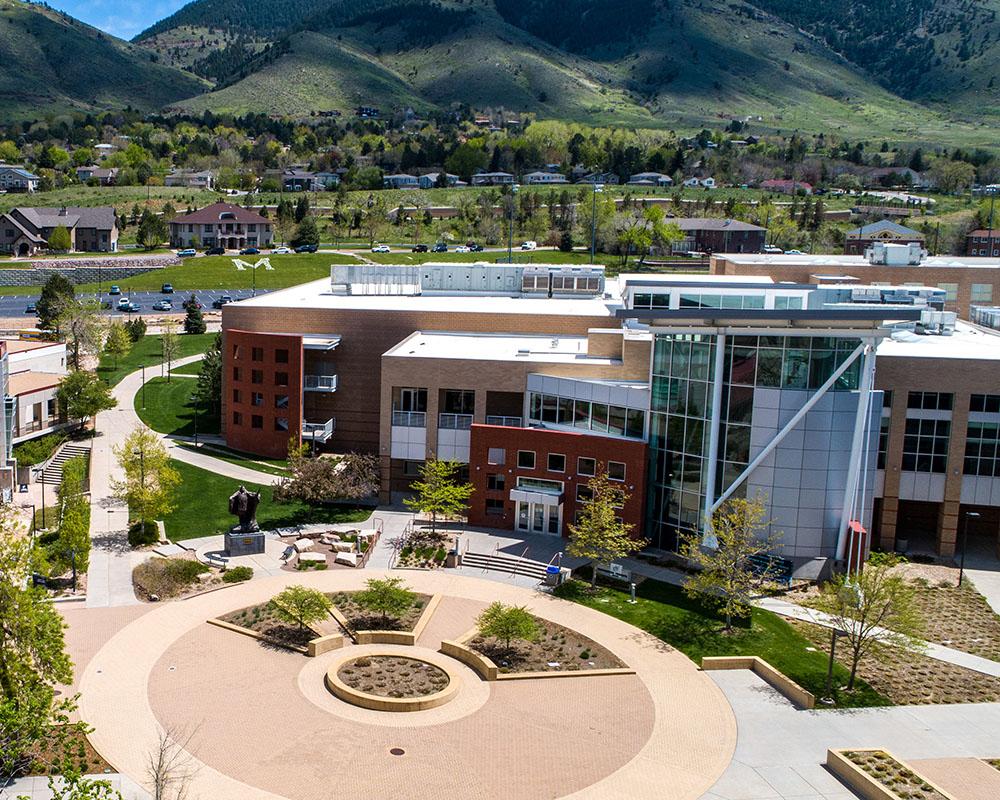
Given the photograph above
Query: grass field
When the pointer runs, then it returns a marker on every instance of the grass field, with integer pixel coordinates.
(670, 615)
(272, 466)
(202, 507)
(168, 407)
(149, 351)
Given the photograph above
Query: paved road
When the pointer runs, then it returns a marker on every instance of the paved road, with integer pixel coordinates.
(15, 305)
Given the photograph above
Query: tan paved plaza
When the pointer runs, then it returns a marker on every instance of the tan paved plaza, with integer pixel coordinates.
(264, 725)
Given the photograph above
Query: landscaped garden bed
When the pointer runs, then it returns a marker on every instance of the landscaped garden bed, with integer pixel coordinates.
(264, 620)
(554, 649)
(425, 550)
(359, 618)
(166, 578)
(393, 676)
(893, 775)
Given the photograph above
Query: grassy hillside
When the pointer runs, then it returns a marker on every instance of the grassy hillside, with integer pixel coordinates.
(50, 62)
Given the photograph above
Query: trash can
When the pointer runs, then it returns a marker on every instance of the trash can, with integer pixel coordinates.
(553, 575)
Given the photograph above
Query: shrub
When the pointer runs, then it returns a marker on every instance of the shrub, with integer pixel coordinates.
(166, 577)
(237, 574)
(35, 451)
(143, 533)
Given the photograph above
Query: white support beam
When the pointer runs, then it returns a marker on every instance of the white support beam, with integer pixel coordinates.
(855, 466)
(712, 455)
(790, 425)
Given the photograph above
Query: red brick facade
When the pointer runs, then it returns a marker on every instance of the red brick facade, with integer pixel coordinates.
(262, 391)
(486, 478)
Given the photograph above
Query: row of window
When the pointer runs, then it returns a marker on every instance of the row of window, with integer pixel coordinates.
(257, 354)
(555, 462)
(978, 292)
(257, 376)
(587, 415)
(257, 421)
(257, 399)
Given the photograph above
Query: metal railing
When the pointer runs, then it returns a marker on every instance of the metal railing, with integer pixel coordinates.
(320, 383)
(507, 422)
(409, 419)
(319, 431)
(458, 422)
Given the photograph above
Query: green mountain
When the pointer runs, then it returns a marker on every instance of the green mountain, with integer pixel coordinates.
(50, 62)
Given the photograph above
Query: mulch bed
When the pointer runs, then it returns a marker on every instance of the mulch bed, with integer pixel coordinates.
(262, 619)
(910, 678)
(557, 649)
(393, 676)
(893, 775)
(360, 619)
(84, 756)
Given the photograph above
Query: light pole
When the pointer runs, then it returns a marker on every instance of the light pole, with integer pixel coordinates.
(143, 367)
(194, 399)
(835, 633)
(40, 473)
(510, 228)
(965, 543)
(598, 188)
(142, 484)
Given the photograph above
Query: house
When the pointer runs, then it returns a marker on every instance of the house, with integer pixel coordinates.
(400, 181)
(430, 180)
(492, 179)
(708, 183)
(102, 176)
(14, 178)
(786, 186)
(896, 176)
(983, 242)
(190, 179)
(715, 235)
(327, 180)
(600, 178)
(298, 180)
(692, 183)
(104, 150)
(366, 112)
(221, 225)
(26, 231)
(540, 177)
(858, 240)
(650, 179)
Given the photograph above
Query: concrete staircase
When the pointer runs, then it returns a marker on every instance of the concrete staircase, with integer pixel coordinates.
(502, 562)
(52, 472)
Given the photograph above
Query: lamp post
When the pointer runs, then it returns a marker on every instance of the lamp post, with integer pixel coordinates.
(965, 543)
(835, 633)
(142, 484)
(510, 225)
(598, 188)
(194, 399)
(143, 367)
(40, 474)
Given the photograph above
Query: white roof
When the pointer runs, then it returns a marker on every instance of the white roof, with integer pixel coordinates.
(692, 277)
(968, 342)
(832, 261)
(317, 294)
(498, 347)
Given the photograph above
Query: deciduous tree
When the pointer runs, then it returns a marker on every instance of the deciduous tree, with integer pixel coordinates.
(600, 535)
(117, 342)
(150, 482)
(301, 606)
(82, 395)
(81, 324)
(56, 293)
(354, 476)
(439, 492)
(388, 597)
(169, 346)
(506, 623)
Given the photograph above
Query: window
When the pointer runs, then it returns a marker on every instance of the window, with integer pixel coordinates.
(988, 403)
(981, 449)
(236, 395)
(256, 421)
(887, 398)
(555, 487)
(256, 376)
(236, 351)
(583, 493)
(50, 407)
(950, 291)
(412, 468)
(526, 459)
(557, 462)
(412, 400)
(495, 481)
(933, 401)
(586, 467)
(236, 373)
(982, 293)
(256, 398)
(281, 401)
(281, 423)
(494, 507)
(281, 355)
(281, 379)
(257, 354)
(616, 470)
(883, 442)
(237, 418)
(459, 401)
(925, 446)
(496, 456)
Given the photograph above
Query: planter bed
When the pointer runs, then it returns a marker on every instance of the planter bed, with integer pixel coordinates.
(557, 649)
(263, 621)
(892, 778)
(393, 676)
(356, 618)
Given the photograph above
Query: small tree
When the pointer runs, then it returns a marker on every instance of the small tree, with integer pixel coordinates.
(726, 576)
(150, 482)
(72, 545)
(169, 344)
(194, 322)
(170, 767)
(355, 476)
(507, 623)
(56, 293)
(306, 233)
(209, 390)
(136, 328)
(875, 609)
(117, 342)
(600, 535)
(152, 230)
(301, 606)
(388, 597)
(439, 491)
(82, 395)
(60, 240)
(82, 325)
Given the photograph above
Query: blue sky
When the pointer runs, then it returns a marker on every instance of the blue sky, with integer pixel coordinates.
(123, 18)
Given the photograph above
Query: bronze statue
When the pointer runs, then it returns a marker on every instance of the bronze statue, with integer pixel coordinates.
(244, 505)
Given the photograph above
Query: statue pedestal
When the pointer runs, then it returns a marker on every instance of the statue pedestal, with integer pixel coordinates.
(239, 543)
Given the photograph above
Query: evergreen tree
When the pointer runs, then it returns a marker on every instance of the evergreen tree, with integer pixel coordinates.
(56, 294)
(306, 232)
(194, 322)
(210, 378)
(60, 239)
(302, 208)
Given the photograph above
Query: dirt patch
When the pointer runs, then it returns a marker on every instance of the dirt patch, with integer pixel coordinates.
(425, 550)
(264, 620)
(557, 649)
(393, 676)
(76, 746)
(165, 578)
(910, 678)
(361, 619)
(896, 777)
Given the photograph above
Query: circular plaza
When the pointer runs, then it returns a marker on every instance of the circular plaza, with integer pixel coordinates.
(260, 721)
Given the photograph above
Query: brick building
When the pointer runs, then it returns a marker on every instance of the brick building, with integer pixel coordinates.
(221, 225)
(714, 235)
(858, 240)
(983, 242)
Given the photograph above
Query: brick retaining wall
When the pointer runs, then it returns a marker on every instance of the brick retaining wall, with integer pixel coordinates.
(83, 270)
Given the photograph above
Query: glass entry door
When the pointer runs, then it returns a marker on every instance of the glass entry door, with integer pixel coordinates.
(538, 518)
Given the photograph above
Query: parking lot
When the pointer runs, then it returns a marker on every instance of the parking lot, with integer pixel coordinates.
(16, 305)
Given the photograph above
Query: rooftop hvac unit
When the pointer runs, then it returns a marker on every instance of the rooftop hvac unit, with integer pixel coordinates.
(895, 255)
(936, 323)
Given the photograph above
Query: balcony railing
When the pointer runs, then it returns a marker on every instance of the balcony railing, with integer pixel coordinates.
(458, 422)
(507, 422)
(409, 419)
(321, 383)
(318, 431)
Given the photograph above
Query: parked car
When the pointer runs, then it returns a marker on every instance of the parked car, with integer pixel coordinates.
(282, 251)
(462, 249)
(794, 253)
(475, 248)
(187, 252)
(126, 305)
(381, 248)
(31, 309)
(440, 247)
(215, 251)
(114, 290)
(770, 249)
(163, 305)
(249, 251)
(307, 248)
(219, 302)
(420, 248)
(167, 288)
(529, 245)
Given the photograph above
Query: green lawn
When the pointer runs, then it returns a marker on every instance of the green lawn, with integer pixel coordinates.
(667, 613)
(202, 507)
(194, 368)
(271, 466)
(167, 407)
(148, 351)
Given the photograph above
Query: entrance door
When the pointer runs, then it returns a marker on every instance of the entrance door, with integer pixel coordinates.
(538, 518)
